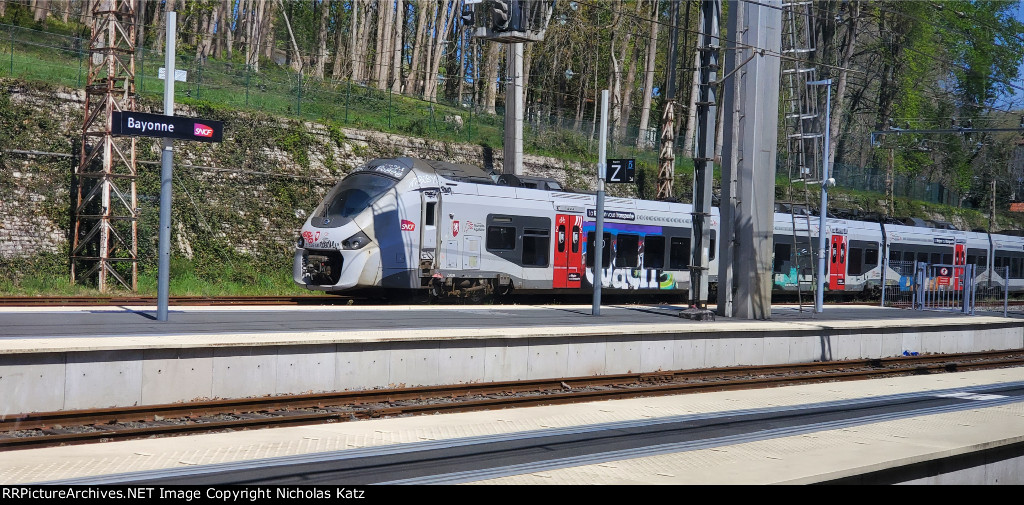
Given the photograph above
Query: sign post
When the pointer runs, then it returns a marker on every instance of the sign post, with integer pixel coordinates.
(168, 127)
(166, 166)
(599, 225)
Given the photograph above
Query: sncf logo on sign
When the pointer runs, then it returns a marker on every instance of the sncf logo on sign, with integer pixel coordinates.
(408, 225)
(202, 130)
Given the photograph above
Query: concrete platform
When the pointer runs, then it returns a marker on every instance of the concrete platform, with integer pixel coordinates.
(75, 358)
(819, 456)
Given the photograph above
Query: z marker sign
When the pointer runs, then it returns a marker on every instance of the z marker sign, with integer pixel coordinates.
(158, 125)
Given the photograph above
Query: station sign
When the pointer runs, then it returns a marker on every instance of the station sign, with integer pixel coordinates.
(142, 124)
(621, 171)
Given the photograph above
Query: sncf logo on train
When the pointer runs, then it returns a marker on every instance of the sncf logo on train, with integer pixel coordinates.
(142, 124)
(408, 225)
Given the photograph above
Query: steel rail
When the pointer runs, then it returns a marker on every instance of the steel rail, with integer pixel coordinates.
(268, 412)
(58, 301)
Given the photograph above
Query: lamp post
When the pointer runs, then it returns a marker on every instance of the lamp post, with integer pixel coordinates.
(819, 298)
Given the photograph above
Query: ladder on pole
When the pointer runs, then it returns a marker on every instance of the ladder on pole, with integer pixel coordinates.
(804, 136)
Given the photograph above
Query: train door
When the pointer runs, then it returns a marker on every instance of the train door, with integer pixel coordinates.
(428, 229)
(568, 252)
(837, 263)
(959, 258)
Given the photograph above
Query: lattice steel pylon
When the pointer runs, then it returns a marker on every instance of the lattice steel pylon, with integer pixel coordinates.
(105, 239)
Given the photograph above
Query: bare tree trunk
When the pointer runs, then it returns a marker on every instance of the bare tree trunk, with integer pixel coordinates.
(160, 19)
(396, 57)
(365, 25)
(205, 22)
(229, 34)
(355, 44)
(42, 10)
(266, 38)
(297, 63)
(382, 61)
(443, 29)
(491, 75)
(321, 41)
(85, 16)
(614, 74)
(652, 48)
(339, 45)
(839, 104)
(414, 65)
(626, 95)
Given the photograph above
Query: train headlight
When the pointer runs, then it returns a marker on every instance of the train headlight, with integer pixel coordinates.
(357, 241)
(300, 242)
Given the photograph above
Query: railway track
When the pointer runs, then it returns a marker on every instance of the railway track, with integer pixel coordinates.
(90, 301)
(34, 430)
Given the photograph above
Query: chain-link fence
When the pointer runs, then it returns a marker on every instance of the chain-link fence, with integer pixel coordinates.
(55, 58)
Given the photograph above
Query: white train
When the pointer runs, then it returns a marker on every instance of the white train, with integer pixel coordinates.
(410, 224)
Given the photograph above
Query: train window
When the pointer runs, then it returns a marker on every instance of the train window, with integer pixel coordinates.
(947, 259)
(982, 261)
(711, 253)
(575, 238)
(853, 261)
(654, 251)
(606, 252)
(895, 255)
(936, 258)
(971, 260)
(501, 238)
(908, 257)
(783, 258)
(627, 251)
(431, 210)
(922, 257)
(1015, 268)
(679, 253)
(354, 194)
(560, 239)
(536, 242)
(870, 258)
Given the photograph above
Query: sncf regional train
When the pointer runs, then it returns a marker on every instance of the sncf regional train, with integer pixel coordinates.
(454, 230)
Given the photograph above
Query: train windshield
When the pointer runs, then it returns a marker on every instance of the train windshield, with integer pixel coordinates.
(350, 197)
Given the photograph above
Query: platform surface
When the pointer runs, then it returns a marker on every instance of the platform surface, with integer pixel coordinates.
(25, 330)
(800, 459)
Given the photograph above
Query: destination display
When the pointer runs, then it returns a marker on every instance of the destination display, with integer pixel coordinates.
(158, 125)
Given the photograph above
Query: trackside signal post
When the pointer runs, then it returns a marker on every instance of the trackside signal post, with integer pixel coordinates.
(511, 22)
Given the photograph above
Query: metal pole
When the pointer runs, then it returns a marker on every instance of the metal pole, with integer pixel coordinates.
(599, 228)
(885, 268)
(819, 298)
(166, 166)
(1006, 290)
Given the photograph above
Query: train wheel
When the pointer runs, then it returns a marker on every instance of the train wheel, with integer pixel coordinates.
(480, 293)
